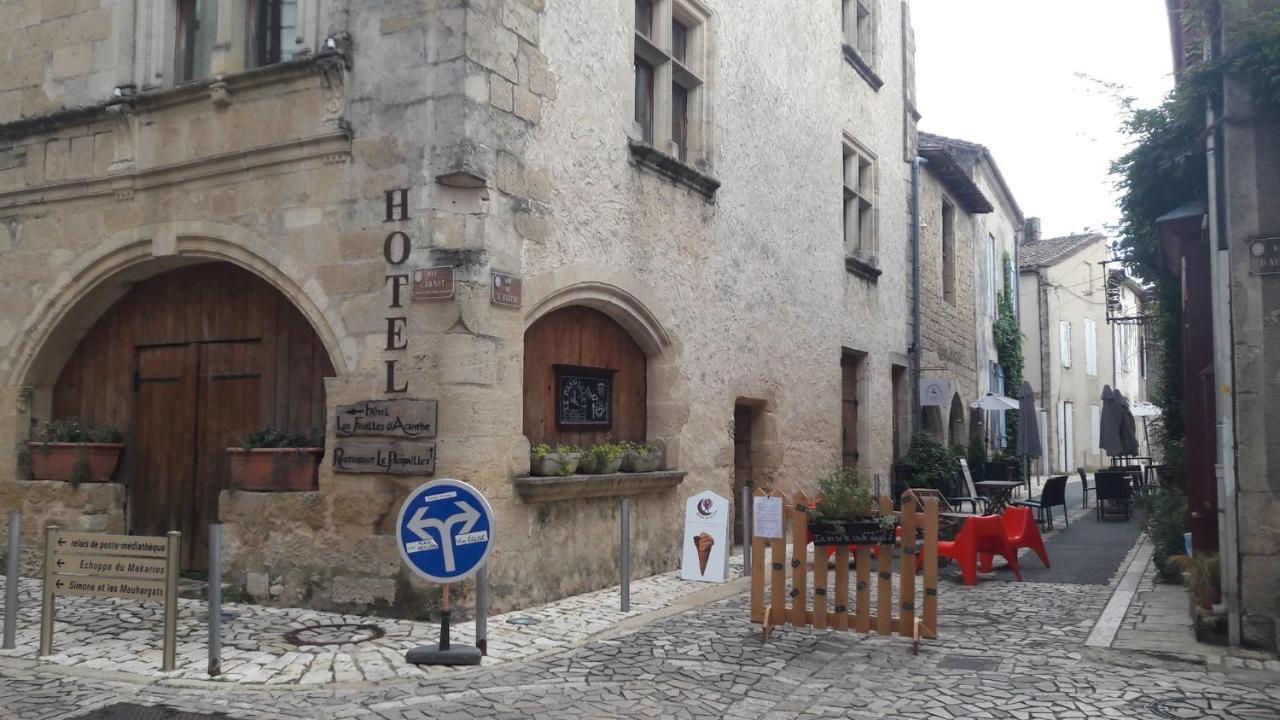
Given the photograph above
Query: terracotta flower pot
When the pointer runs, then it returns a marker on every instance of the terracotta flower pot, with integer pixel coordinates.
(275, 469)
(57, 461)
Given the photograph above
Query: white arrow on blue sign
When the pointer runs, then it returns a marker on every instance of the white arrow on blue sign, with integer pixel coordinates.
(445, 530)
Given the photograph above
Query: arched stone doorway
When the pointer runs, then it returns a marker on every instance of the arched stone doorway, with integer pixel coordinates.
(187, 363)
(579, 347)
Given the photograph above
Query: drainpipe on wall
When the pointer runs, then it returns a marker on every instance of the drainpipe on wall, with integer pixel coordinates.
(1223, 360)
(916, 164)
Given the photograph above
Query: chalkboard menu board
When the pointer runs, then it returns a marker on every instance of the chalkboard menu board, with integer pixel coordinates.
(584, 397)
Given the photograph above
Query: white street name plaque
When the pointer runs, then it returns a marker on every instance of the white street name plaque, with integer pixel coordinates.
(112, 566)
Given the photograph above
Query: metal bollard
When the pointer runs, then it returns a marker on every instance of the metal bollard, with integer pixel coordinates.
(626, 554)
(215, 599)
(482, 610)
(12, 578)
(746, 530)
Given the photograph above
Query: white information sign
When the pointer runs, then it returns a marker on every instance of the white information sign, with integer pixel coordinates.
(766, 517)
(706, 538)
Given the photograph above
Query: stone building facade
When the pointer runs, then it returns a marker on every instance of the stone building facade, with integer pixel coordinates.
(1223, 250)
(1068, 350)
(994, 237)
(176, 189)
(950, 200)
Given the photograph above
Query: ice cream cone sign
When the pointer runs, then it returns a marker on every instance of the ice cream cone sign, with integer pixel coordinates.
(706, 538)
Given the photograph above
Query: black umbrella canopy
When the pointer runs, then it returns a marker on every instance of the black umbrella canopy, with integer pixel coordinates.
(1109, 426)
(1128, 426)
(1028, 423)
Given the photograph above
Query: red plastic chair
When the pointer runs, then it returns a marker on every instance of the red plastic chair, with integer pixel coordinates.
(980, 534)
(1021, 530)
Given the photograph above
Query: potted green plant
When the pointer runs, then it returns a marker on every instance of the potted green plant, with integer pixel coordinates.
(74, 451)
(544, 461)
(932, 464)
(608, 457)
(587, 463)
(569, 457)
(846, 513)
(1202, 575)
(640, 457)
(276, 460)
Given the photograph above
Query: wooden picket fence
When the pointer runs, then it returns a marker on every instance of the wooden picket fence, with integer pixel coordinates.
(861, 617)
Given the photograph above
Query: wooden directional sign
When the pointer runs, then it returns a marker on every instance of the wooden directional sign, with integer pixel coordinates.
(112, 566)
(87, 586)
(100, 544)
(122, 567)
(391, 457)
(401, 418)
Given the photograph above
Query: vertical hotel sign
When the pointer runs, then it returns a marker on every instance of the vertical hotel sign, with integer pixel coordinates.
(396, 248)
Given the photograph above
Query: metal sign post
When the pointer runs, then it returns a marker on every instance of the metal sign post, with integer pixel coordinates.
(215, 599)
(11, 581)
(112, 566)
(625, 560)
(445, 535)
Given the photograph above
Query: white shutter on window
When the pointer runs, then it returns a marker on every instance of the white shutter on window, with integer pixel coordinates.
(1095, 427)
(1090, 347)
(1064, 342)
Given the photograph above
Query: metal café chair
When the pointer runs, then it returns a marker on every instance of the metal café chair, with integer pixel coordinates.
(1112, 489)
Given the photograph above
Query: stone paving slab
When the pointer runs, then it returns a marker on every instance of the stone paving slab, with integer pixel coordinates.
(1158, 621)
(1011, 651)
(121, 636)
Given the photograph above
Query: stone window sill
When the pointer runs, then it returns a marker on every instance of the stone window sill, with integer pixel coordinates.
(577, 487)
(852, 57)
(862, 268)
(649, 157)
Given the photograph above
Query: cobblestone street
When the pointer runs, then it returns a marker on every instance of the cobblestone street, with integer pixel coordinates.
(1006, 650)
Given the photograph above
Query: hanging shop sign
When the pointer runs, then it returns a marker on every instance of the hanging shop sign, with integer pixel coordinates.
(399, 418)
(935, 391)
(433, 283)
(706, 538)
(584, 398)
(112, 566)
(1264, 255)
(506, 289)
(393, 457)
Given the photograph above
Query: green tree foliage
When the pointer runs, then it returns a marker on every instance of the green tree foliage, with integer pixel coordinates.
(1165, 170)
(1008, 342)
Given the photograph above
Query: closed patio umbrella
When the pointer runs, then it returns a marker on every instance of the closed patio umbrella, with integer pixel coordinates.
(1028, 429)
(1028, 423)
(1128, 427)
(1109, 426)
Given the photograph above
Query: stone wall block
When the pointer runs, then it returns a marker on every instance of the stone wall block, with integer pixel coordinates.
(491, 46)
(535, 73)
(521, 19)
(500, 91)
(527, 105)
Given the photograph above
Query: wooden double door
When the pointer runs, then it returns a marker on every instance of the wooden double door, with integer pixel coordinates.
(189, 363)
(191, 402)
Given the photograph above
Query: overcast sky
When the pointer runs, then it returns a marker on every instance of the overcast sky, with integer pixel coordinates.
(1004, 73)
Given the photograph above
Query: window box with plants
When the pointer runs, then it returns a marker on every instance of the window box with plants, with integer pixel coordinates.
(640, 457)
(74, 451)
(553, 460)
(275, 460)
(847, 514)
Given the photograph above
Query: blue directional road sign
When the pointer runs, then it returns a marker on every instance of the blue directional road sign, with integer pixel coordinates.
(445, 531)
